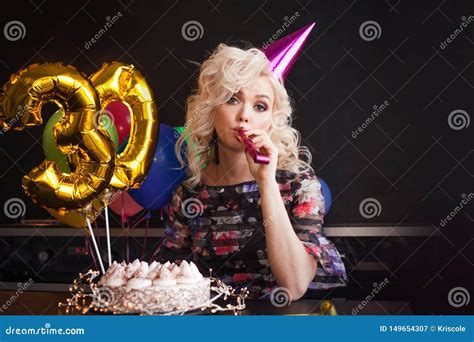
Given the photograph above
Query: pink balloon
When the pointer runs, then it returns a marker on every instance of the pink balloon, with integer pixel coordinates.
(121, 117)
(125, 206)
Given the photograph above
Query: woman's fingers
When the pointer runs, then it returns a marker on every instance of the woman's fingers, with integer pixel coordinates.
(266, 145)
(256, 132)
(258, 139)
(261, 139)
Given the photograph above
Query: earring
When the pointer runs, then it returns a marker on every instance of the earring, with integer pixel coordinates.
(216, 146)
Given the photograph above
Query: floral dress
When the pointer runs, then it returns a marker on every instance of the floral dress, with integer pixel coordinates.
(221, 228)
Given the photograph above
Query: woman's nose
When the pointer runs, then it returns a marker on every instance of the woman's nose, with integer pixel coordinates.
(243, 115)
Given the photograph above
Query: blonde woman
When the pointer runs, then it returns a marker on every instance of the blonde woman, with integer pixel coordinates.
(256, 225)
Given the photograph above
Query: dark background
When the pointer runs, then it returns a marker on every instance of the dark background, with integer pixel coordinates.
(409, 158)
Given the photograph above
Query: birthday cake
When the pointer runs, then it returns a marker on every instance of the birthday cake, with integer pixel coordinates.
(139, 287)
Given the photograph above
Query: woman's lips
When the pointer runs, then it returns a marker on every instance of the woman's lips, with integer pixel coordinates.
(239, 132)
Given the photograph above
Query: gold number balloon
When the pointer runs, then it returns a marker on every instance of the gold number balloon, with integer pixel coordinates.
(89, 148)
(96, 170)
(119, 82)
(77, 133)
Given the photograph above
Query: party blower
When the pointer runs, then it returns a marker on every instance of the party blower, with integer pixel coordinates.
(251, 149)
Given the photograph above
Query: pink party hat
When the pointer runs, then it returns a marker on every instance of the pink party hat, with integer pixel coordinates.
(283, 52)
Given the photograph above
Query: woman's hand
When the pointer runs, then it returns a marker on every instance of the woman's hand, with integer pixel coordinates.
(263, 143)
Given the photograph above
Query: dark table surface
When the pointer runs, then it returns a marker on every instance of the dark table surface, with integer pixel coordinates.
(46, 303)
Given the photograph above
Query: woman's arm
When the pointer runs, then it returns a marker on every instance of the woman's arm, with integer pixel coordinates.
(292, 266)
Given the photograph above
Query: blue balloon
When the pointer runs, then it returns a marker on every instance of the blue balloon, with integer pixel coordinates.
(164, 175)
(326, 194)
(123, 145)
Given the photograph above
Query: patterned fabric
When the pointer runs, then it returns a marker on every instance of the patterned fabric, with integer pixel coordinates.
(221, 228)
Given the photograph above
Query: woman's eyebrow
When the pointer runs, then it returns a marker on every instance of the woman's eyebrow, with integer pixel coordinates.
(240, 92)
(263, 95)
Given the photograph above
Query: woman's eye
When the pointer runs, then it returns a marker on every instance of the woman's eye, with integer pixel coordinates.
(233, 100)
(261, 108)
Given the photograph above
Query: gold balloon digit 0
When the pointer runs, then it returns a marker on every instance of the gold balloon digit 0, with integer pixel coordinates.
(119, 82)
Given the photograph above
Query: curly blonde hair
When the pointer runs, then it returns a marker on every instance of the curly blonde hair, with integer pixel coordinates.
(222, 75)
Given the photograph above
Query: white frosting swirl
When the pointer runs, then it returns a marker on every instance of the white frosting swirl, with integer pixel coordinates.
(138, 283)
(139, 275)
(165, 278)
